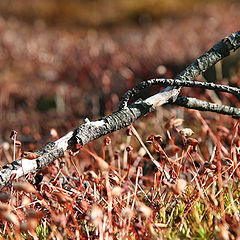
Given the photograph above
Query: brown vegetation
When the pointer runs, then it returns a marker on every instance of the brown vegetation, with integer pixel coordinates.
(52, 78)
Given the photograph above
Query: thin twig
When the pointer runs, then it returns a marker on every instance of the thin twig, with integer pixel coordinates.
(201, 105)
(176, 83)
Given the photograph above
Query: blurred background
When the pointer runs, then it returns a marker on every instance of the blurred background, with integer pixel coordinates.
(64, 60)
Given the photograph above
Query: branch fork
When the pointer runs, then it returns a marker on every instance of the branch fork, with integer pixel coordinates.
(127, 114)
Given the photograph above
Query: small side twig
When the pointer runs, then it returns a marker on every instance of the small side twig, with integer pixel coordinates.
(194, 103)
(177, 83)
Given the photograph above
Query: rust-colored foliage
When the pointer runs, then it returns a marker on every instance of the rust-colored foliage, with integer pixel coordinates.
(175, 175)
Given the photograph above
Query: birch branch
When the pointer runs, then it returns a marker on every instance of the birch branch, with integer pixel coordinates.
(81, 135)
(202, 63)
(194, 103)
(125, 116)
(176, 83)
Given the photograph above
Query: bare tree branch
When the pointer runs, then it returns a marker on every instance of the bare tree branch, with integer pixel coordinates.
(82, 135)
(177, 83)
(210, 58)
(194, 103)
(120, 119)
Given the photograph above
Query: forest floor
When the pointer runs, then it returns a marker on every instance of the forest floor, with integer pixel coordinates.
(51, 78)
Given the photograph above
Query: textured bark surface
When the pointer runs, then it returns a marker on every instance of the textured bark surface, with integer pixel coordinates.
(82, 135)
(210, 58)
(201, 105)
(176, 83)
(125, 116)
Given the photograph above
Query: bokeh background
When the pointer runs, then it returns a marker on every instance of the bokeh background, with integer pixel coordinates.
(64, 60)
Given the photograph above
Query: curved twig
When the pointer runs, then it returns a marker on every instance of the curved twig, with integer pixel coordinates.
(176, 83)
